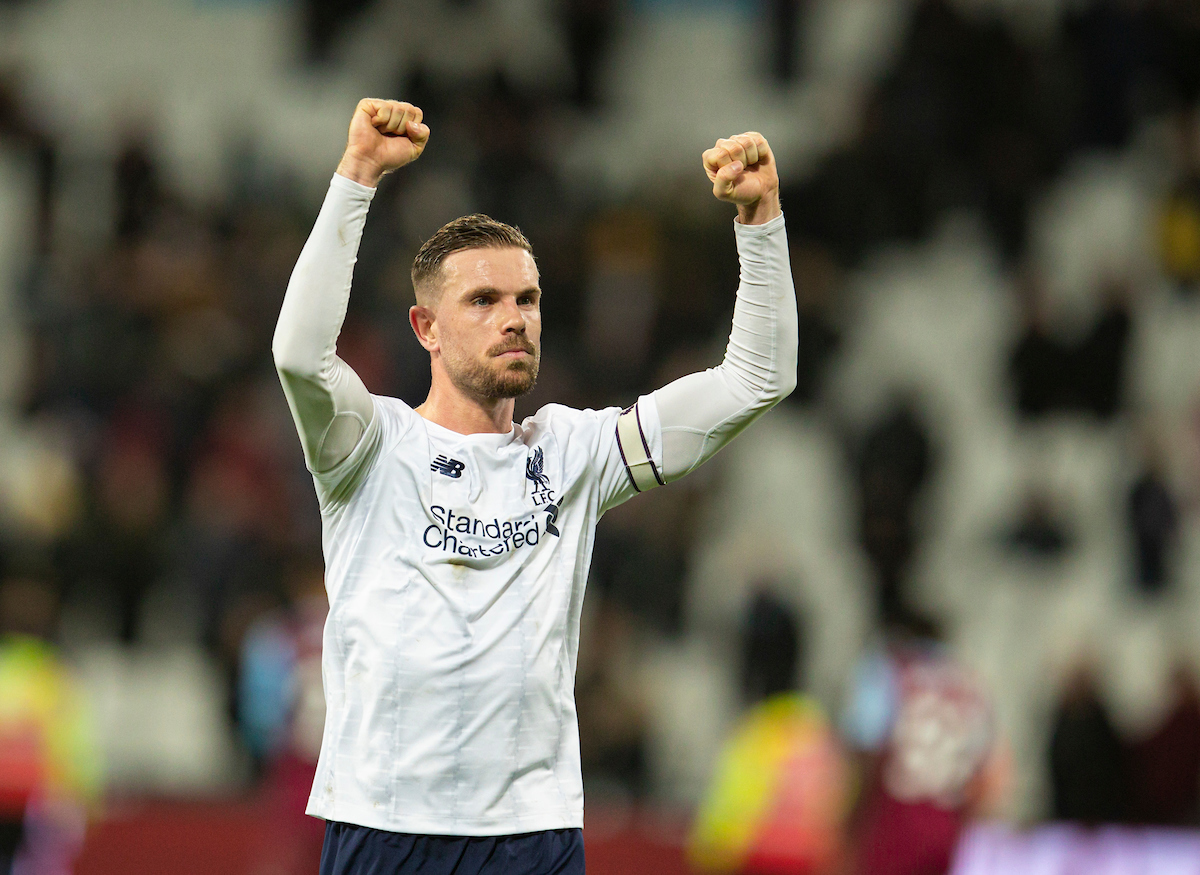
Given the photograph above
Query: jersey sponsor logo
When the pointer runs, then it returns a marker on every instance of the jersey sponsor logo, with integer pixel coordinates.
(449, 467)
(486, 537)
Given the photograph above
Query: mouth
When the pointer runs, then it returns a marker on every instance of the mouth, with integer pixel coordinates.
(514, 351)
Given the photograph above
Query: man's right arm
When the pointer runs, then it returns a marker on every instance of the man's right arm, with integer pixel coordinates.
(331, 406)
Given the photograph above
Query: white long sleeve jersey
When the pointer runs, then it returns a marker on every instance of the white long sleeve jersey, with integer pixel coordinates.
(456, 564)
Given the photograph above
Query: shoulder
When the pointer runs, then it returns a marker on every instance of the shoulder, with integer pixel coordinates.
(392, 422)
(395, 417)
(569, 422)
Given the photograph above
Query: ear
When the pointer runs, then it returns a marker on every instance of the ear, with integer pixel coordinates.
(424, 324)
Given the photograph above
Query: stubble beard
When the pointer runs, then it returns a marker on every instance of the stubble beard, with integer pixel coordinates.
(493, 379)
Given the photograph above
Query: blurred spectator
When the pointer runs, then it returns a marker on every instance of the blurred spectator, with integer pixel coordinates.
(622, 291)
(642, 550)
(323, 22)
(1087, 765)
(1165, 762)
(514, 179)
(1179, 214)
(42, 496)
(1153, 516)
(236, 517)
(817, 279)
(1100, 358)
(21, 129)
(968, 117)
(783, 19)
(778, 795)
(118, 549)
(1112, 42)
(589, 27)
(612, 715)
(1040, 364)
(1176, 25)
(138, 192)
(49, 764)
(894, 461)
(1053, 375)
(923, 728)
(771, 646)
(640, 560)
(1039, 531)
(282, 711)
(697, 277)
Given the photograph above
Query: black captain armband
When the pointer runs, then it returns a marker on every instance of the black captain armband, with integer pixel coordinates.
(635, 451)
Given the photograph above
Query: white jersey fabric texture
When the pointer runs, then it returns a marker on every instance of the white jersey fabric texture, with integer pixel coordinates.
(456, 564)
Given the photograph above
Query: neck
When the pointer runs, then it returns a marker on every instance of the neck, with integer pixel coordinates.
(451, 408)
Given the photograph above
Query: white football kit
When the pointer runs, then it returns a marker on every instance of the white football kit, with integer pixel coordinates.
(456, 564)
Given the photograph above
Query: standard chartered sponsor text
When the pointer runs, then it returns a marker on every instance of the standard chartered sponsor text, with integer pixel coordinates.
(487, 537)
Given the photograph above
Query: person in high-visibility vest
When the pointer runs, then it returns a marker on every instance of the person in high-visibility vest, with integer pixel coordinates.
(49, 765)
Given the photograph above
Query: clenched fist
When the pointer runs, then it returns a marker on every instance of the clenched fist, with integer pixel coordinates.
(384, 135)
(742, 171)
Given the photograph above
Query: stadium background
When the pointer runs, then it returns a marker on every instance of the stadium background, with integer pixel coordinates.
(994, 213)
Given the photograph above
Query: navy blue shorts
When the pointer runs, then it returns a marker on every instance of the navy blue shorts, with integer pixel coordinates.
(360, 850)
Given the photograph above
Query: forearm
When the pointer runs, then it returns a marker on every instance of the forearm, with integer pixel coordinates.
(331, 406)
(702, 412)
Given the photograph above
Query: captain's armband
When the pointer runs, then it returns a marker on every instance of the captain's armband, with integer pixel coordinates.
(635, 451)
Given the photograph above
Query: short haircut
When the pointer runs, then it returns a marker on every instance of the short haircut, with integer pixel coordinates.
(475, 231)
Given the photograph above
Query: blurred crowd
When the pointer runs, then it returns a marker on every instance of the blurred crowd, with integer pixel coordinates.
(169, 500)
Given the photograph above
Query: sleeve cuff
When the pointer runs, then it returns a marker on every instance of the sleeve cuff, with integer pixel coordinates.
(758, 230)
(352, 187)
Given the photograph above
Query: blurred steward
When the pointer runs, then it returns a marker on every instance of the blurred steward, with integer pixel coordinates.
(923, 729)
(49, 765)
(282, 710)
(778, 795)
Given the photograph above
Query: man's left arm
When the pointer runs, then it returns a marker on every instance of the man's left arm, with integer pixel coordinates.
(698, 414)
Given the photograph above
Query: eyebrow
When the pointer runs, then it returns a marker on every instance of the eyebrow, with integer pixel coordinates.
(490, 290)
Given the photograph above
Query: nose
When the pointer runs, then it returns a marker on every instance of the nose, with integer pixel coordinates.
(512, 318)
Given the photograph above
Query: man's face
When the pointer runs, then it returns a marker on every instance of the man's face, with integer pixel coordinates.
(489, 325)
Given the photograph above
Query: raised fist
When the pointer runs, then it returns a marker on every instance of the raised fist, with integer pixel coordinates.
(742, 171)
(384, 135)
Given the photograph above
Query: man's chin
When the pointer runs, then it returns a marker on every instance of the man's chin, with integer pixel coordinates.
(514, 384)
(516, 380)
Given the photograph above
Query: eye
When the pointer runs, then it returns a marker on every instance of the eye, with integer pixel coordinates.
(481, 301)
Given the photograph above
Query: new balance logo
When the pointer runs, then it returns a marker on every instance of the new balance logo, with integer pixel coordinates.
(449, 467)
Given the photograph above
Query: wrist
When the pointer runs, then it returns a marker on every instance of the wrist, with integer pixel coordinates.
(761, 211)
(360, 170)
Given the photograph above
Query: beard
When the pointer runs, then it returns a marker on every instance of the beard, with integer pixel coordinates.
(495, 378)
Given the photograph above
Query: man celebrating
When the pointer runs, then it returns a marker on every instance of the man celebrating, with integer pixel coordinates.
(457, 542)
